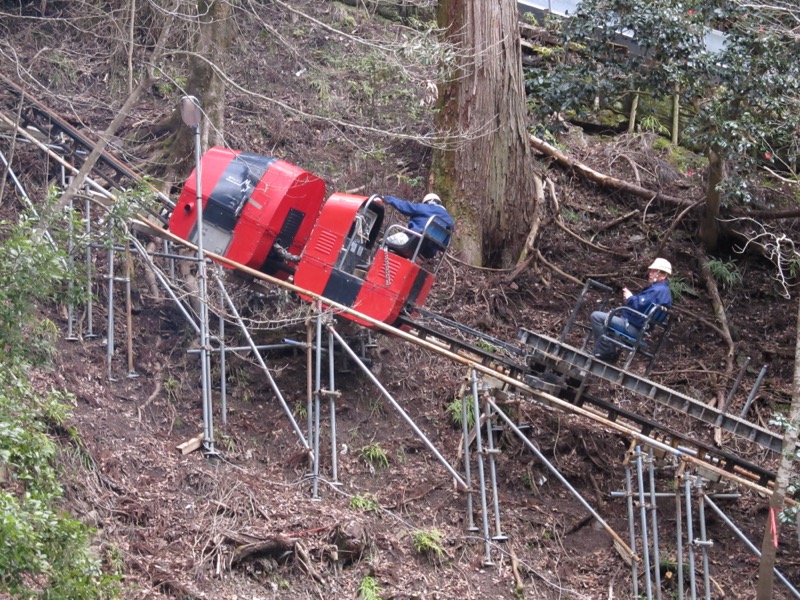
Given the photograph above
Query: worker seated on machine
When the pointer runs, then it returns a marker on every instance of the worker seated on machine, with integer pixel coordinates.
(428, 220)
(632, 321)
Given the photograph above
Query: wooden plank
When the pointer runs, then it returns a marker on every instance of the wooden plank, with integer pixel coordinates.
(191, 445)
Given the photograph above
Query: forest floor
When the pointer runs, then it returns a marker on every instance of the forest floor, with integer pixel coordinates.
(245, 524)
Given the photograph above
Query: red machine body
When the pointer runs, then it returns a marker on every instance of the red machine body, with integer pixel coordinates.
(256, 210)
(344, 263)
(269, 215)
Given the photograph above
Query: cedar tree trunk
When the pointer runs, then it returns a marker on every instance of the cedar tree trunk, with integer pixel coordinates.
(486, 179)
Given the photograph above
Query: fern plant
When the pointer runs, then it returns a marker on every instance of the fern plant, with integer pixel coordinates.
(375, 455)
(725, 273)
(369, 589)
(429, 543)
(453, 411)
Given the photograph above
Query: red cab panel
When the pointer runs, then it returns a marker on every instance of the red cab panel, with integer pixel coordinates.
(343, 262)
(256, 209)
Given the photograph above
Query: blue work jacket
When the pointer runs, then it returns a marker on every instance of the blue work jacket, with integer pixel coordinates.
(655, 293)
(418, 214)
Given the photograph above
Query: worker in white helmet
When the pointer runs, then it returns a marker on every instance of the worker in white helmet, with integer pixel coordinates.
(657, 292)
(419, 213)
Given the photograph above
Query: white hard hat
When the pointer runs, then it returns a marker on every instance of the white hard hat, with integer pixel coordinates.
(661, 264)
(432, 199)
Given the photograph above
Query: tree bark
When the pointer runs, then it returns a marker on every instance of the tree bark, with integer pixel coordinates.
(210, 45)
(766, 567)
(709, 226)
(486, 177)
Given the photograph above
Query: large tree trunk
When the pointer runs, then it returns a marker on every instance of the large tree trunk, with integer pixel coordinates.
(486, 179)
(210, 45)
(782, 477)
(709, 226)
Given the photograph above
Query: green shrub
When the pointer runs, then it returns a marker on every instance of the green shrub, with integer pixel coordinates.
(429, 542)
(369, 589)
(726, 274)
(365, 502)
(375, 455)
(453, 411)
(44, 553)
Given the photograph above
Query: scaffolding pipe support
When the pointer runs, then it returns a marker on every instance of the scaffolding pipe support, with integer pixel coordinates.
(487, 560)
(563, 480)
(398, 408)
(467, 467)
(263, 365)
(643, 520)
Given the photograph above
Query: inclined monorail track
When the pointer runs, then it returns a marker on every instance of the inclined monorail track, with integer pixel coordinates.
(537, 363)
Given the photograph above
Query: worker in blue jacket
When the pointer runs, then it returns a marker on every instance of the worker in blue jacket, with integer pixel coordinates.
(419, 213)
(628, 321)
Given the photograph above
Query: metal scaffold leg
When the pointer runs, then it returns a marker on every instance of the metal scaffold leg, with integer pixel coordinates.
(317, 386)
(332, 395)
(703, 542)
(679, 531)
(90, 334)
(631, 525)
(223, 379)
(498, 536)
(465, 410)
(654, 521)
(687, 491)
(643, 521)
(403, 414)
(481, 474)
(257, 354)
(622, 547)
(110, 322)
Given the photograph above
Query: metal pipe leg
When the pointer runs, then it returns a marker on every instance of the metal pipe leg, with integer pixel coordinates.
(654, 522)
(223, 377)
(690, 535)
(499, 536)
(481, 475)
(310, 386)
(643, 519)
(679, 532)
(317, 386)
(90, 334)
(467, 467)
(703, 542)
(332, 399)
(110, 323)
(71, 337)
(632, 529)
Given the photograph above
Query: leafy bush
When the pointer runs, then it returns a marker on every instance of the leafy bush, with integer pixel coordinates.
(365, 502)
(453, 411)
(369, 589)
(678, 286)
(43, 552)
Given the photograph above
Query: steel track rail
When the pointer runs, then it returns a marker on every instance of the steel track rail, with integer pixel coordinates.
(579, 363)
(523, 366)
(59, 133)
